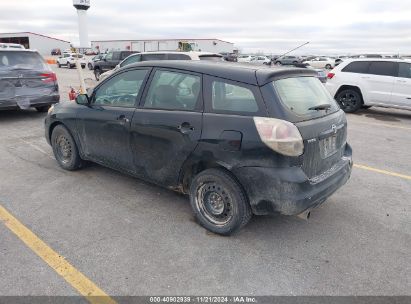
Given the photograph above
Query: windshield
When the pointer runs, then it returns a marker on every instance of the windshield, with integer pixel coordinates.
(12, 60)
(305, 96)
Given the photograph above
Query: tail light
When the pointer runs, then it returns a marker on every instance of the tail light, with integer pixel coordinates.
(49, 77)
(330, 75)
(280, 135)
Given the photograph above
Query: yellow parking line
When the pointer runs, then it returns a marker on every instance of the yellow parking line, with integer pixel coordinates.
(383, 171)
(381, 124)
(74, 277)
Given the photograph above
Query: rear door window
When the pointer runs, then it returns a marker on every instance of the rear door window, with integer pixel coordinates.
(130, 60)
(382, 68)
(357, 67)
(300, 94)
(171, 90)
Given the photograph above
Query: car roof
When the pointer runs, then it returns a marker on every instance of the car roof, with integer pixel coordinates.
(255, 75)
(17, 50)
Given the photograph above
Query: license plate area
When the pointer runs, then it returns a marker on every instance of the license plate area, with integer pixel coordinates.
(328, 146)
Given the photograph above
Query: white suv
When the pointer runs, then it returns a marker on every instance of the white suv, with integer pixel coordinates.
(69, 60)
(371, 82)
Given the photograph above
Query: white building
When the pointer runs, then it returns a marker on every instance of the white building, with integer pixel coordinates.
(41, 43)
(150, 45)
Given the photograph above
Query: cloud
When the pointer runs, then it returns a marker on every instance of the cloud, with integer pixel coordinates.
(271, 26)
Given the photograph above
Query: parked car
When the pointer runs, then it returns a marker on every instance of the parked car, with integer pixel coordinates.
(371, 82)
(287, 60)
(238, 140)
(11, 46)
(26, 80)
(149, 56)
(261, 60)
(232, 57)
(109, 62)
(69, 60)
(245, 58)
(321, 63)
(96, 58)
(55, 52)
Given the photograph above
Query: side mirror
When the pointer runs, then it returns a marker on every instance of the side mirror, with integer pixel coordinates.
(82, 99)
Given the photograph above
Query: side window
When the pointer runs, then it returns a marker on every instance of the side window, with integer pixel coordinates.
(148, 57)
(178, 57)
(173, 91)
(109, 56)
(357, 67)
(404, 70)
(229, 97)
(116, 56)
(130, 60)
(383, 68)
(121, 90)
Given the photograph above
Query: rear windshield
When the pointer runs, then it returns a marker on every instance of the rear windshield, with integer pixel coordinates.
(305, 96)
(13, 60)
(211, 57)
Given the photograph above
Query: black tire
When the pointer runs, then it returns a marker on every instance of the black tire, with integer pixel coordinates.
(83, 66)
(70, 66)
(350, 100)
(58, 64)
(328, 66)
(278, 63)
(65, 149)
(90, 66)
(43, 109)
(97, 73)
(219, 202)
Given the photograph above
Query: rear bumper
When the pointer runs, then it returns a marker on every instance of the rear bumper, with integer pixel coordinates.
(288, 190)
(29, 101)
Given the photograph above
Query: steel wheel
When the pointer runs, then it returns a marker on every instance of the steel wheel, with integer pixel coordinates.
(214, 203)
(64, 149)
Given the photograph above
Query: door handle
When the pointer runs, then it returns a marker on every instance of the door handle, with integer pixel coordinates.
(365, 77)
(185, 128)
(123, 118)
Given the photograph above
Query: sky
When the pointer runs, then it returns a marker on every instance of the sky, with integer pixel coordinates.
(268, 26)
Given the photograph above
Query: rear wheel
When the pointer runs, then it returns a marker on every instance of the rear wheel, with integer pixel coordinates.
(328, 66)
(350, 100)
(65, 149)
(278, 63)
(43, 108)
(219, 202)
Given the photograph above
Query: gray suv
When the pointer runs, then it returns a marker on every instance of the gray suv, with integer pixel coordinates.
(287, 60)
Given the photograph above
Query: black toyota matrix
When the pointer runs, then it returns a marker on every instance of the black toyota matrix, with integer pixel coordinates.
(239, 140)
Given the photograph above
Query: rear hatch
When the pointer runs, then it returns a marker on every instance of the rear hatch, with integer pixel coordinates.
(25, 76)
(322, 125)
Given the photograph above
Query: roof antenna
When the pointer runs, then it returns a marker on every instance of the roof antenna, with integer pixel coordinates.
(294, 49)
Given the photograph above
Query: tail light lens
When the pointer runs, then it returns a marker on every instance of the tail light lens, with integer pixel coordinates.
(330, 75)
(280, 135)
(49, 77)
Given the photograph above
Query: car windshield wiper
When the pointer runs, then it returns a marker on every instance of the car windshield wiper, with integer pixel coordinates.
(324, 106)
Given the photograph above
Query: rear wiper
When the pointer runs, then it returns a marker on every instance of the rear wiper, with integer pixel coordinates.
(324, 106)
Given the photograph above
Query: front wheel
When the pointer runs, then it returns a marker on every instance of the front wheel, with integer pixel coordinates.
(328, 66)
(278, 63)
(65, 149)
(349, 100)
(219, 202)
(58, 64)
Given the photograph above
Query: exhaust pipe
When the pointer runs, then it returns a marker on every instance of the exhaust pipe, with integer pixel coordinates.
(304, 215)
